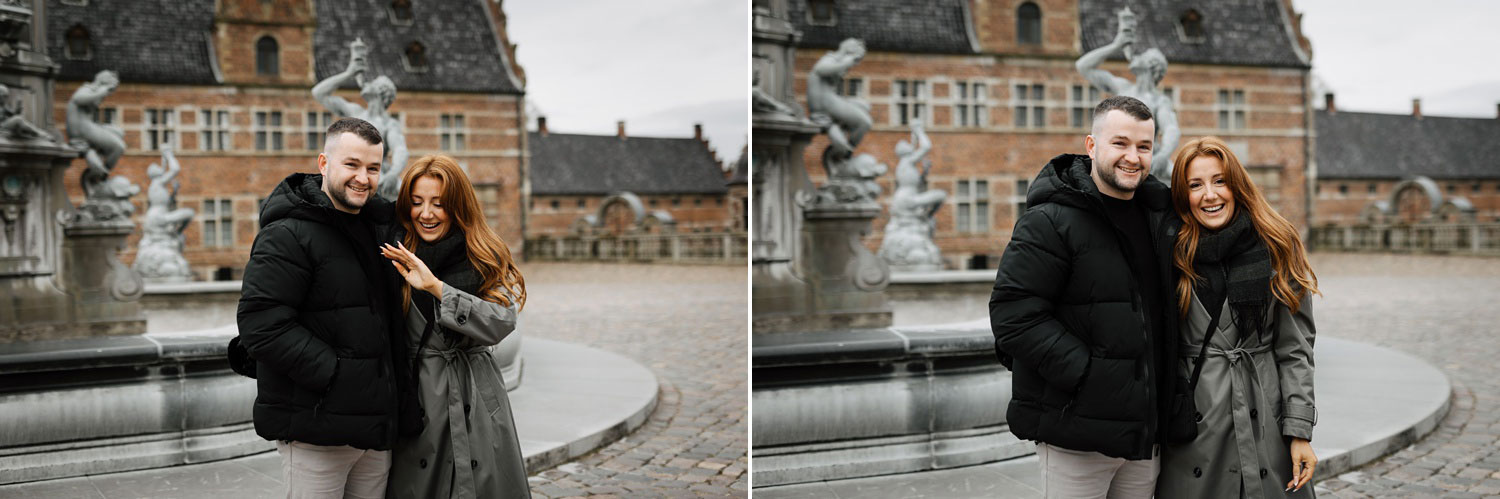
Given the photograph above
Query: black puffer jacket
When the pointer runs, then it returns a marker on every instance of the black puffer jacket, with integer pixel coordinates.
(315, 313)
(1068, 318)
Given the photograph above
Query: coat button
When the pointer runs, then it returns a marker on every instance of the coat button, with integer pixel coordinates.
(1262, 472)
(422, 463)
(462, 319)
(1197, 472)
(1198, 416)
(475, 464)
(1254, 413)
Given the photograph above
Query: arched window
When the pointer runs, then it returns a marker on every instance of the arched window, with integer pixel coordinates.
(820, 13)
(267, 57)
(1029, 24)
(79, 45)
(401, 12)
(416, 57)
(1190, 26)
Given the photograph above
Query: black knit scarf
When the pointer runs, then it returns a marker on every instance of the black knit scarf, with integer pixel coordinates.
(1238, 249)
(448, 258)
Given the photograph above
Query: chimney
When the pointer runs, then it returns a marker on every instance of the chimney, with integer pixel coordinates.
(620, 129)
(1416, 108)
(541, 125)
(1328, 102)
(698, 131)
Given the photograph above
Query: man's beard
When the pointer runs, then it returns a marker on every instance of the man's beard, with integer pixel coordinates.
(1110, 176)
(340, 194)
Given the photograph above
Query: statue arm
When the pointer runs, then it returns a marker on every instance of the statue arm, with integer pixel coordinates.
(924, 144)
(323, 92)
(1166, 118)
(834, 65)
(89, 94)
(1088, 65)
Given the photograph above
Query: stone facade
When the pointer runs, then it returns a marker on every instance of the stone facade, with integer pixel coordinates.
(986, 164)
(241, 129)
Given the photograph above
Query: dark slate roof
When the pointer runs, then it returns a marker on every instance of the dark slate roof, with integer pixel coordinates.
(460, 39)
(741, 174)
(170, 45)
(936, 26)
(1236, 32)
(1369, 145)
(604, 164)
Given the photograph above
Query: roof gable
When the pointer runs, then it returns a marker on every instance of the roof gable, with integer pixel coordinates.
(1370, 145)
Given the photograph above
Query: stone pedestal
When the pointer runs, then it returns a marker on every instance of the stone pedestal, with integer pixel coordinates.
(845, 280)
(103, 291)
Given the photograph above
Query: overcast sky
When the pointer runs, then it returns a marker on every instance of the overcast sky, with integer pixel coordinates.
(1378, 55)
(659, 65)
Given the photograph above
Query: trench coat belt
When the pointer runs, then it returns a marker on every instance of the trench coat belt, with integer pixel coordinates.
(1245, 435)
(458, 425)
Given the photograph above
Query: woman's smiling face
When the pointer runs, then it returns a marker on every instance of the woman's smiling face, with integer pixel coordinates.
(1209, 196)
(427, 214)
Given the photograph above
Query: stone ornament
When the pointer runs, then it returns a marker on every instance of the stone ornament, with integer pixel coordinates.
(851, 179)
(1149, 68)
(159, 257)
(378, 95)
(107, 197)
(908, 241)
(12, 124)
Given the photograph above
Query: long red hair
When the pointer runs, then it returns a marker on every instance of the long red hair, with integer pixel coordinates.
(1294, 277)
(501, 280)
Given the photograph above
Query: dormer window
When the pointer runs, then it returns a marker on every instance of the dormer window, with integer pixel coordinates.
(400, 11)
(79, 45)
(267, 57)
(1028, 24)
(1190, 26)
(416, 58)
(820, 13)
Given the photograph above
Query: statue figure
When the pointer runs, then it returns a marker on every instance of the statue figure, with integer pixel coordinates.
(909, 231)
(762, 101)
(103, 144)
(1149, 68)
(160, 254)
(846, 119)
(11, 121)
(378, 94)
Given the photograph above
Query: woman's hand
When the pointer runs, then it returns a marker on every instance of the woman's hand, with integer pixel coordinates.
(410, 267)
(1303, 463)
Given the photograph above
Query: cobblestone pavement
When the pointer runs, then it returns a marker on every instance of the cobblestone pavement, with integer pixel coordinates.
(1444, 310)
(689, 325)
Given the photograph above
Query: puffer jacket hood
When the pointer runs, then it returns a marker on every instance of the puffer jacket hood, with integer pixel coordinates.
(1066, 180)
(301, 196)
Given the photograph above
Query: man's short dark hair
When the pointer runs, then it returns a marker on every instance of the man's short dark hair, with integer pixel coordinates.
(1130, 105)
(356, 126)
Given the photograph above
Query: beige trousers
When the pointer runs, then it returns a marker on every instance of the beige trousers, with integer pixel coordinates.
(333, 472)
(1074, 474)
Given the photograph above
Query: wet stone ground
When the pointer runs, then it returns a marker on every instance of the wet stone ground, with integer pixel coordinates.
(1446, 311)
(688, 324)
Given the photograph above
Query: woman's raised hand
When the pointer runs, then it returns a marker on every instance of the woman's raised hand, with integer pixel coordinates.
(410, 267)
(1303, 463)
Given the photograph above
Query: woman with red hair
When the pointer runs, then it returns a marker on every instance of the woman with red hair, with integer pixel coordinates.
(462, 294)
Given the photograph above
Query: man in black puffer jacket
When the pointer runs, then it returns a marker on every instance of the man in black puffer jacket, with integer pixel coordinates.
(1079, 316)
(315, 314)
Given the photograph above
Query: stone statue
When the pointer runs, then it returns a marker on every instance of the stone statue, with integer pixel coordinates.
(107, 197)
(847, 119)
(378, 94)
(160, 253)
(908, 233)
(851, 179)
(12, 123)
(1149, 68)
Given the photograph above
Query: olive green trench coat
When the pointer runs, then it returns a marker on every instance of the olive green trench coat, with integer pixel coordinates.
(1255, 393)
(469, 446)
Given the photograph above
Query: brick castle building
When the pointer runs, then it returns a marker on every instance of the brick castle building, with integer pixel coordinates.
(226, 84)
(573, 176)
(1362, 158)
(995, 83)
